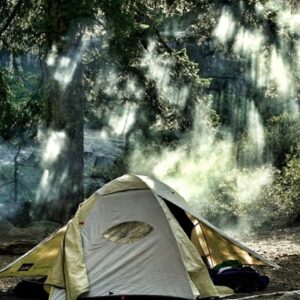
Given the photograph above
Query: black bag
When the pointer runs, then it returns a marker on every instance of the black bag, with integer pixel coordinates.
(242, 280)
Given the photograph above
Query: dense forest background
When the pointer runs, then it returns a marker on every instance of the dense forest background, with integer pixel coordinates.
(203, 95)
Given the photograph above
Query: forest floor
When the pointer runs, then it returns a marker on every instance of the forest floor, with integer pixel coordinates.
(281, 246)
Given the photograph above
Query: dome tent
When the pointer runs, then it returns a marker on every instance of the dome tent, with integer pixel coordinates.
(134, 236)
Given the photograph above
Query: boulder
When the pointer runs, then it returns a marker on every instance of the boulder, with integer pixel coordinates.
(17, 241)
(7, 228)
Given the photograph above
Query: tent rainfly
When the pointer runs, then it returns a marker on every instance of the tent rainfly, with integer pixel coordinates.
(134, 236)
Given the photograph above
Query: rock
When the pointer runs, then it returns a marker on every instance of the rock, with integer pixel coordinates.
(18, 243)
(18, 246)
(42, 228)
(16, 212)
(103, 161)
(91, 185)
(295, 295)
(20, 240)
(99, 156)
(6, 227)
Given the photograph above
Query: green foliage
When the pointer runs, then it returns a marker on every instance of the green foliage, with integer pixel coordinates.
(223, 210)
(290, 186)
(248, 153)
(107, 173)
(20, 107)
(282, 136)
(275, 203)
(279, 204)
(7, 109)
(122, 60)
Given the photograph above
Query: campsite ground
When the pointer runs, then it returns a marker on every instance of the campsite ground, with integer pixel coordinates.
(281, 246)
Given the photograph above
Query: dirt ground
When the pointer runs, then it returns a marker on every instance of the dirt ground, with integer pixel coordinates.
(281, 246)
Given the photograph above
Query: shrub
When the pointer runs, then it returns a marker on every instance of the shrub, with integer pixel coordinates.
(116, 169)
(259, 197)
(282, 136)
(279, 203)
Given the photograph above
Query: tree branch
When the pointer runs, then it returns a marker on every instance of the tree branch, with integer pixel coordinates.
(142, 11)
(11, 17)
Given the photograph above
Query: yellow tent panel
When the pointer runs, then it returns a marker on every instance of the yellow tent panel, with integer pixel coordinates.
(39, 260)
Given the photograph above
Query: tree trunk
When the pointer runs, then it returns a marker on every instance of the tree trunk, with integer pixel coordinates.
(16, 175)
(62, 183)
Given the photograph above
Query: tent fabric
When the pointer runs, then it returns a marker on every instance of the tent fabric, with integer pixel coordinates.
(65, 258)
(194, 265)
(57, 293)
(239, 251)
(219, 248)
(124, 183)
(70, 270)
(39, 260)
(133, 267)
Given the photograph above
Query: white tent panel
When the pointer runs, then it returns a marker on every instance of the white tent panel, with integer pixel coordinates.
(57, 294)
(149, 266)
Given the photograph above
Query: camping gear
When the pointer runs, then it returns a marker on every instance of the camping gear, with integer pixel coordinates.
(134, 236)
(242, 279)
